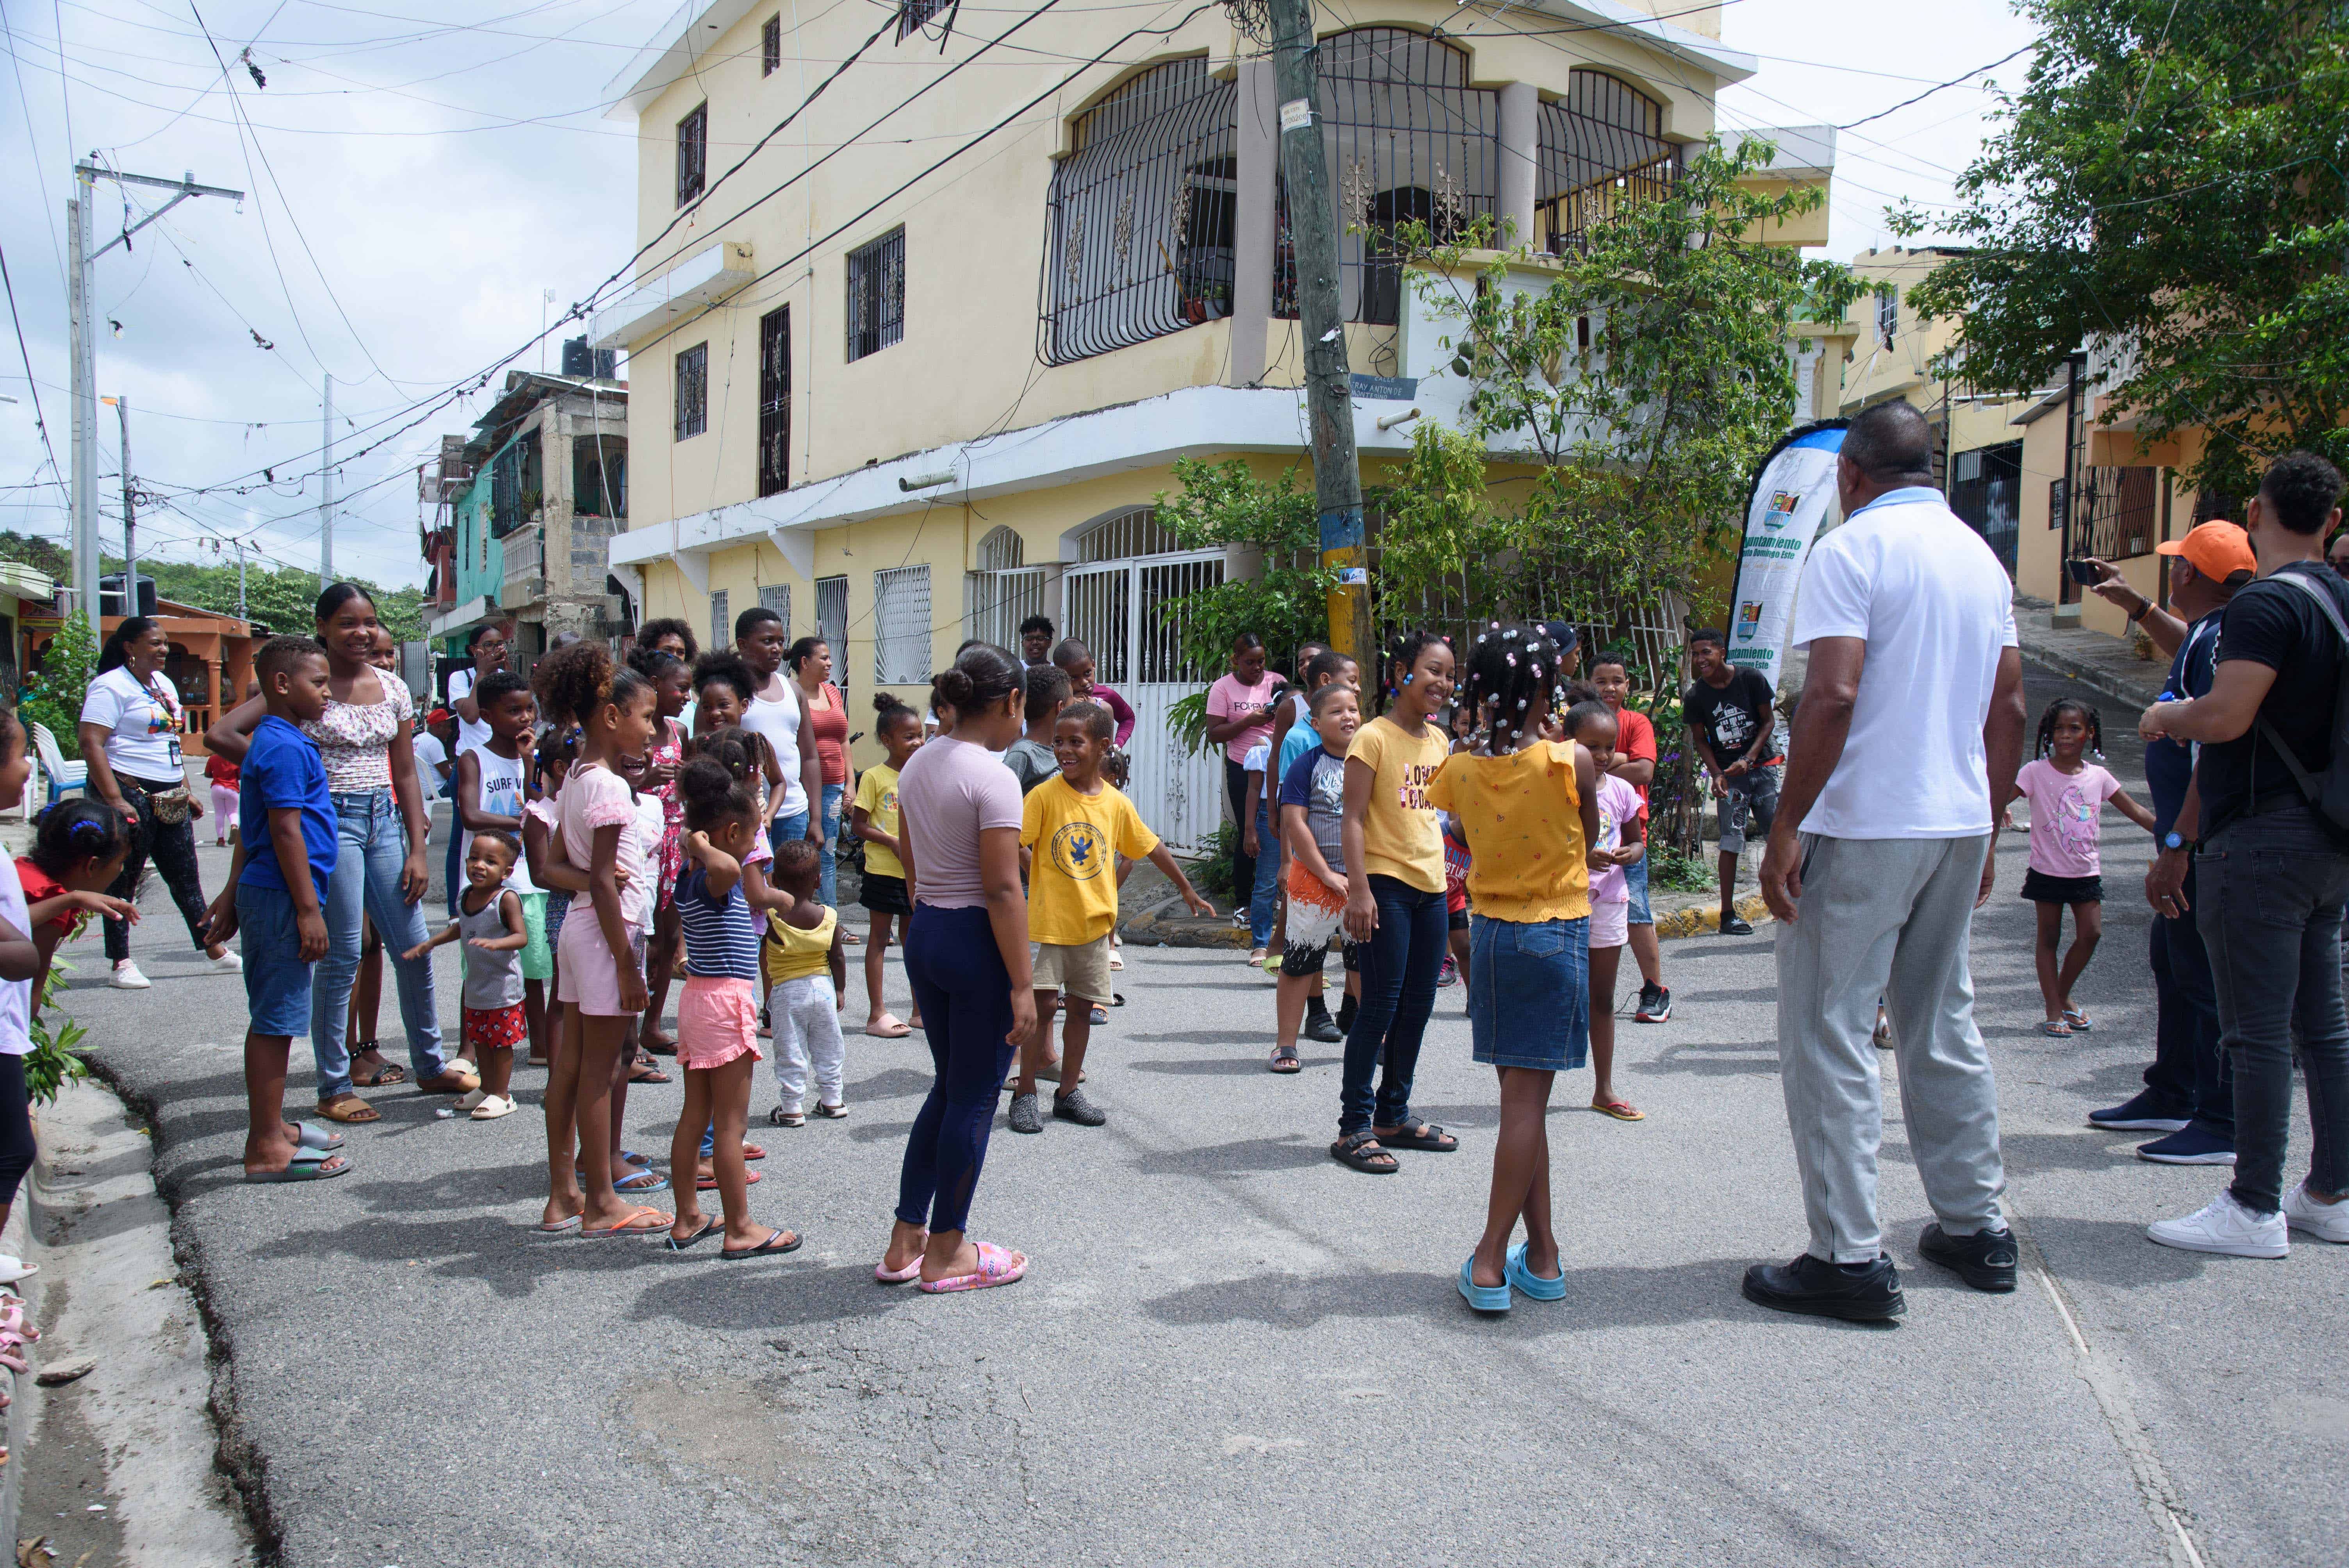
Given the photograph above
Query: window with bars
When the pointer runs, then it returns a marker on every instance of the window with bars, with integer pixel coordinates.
(1601, 147)
(1125, 534)
(770, 46)
(832, 623)
(876, 295)
(693, 391)
(1003, 591)
(722, 621)
(775, 401)
(1141, 220)
(901, 627)
(777, 596)
(912, 13)
(1411, 140)
(692, 154)
(1887, 315)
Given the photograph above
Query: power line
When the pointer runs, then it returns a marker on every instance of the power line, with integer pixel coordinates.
(1953, 82)
(40, 423)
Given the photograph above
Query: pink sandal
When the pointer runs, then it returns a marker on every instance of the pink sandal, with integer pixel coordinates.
(888, 1275)
(997, 1266)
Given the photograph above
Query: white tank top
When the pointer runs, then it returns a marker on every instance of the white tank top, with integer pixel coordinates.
(502, 792)
(779, 723)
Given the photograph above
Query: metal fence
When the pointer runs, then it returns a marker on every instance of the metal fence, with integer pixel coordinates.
(1600, 147)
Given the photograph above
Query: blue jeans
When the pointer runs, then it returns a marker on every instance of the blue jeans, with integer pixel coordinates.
(786, 827)
(964, 994)
(372, 846)
(830, 896)
(1264, 896)
(453, 877)
(2272, 886)
(1399, 965)
(2188, 1077)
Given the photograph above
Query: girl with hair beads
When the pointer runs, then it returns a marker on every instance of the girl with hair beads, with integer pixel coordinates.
(2066, 867)
(718, 1013)
(967, 953)
(602, 955)
(1394, 904)
(1529, 809)
(78, 848)
(887, 893)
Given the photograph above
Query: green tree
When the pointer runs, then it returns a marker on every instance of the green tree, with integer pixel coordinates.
(53, 695)
(2173, 177)
(43, 555)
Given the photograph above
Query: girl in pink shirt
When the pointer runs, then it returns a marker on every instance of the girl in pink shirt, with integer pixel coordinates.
(1239, 716)
(2067, 792)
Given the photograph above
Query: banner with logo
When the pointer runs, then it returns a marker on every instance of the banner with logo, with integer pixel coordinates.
(1791, 494)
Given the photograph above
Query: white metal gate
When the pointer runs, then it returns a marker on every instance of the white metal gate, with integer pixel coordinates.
(1116, 608)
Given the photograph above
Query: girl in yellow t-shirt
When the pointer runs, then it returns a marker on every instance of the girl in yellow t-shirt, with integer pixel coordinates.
(1530, 810)
(1394, 903)
(872, 817)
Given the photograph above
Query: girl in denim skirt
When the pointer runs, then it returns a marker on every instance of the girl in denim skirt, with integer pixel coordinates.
(1529, 810)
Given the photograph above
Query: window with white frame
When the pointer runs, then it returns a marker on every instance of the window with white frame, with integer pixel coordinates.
(1888, 314)
(722, 621)
(777, 596)
(901, 627)
(693, 391)
(832, 622)
(1003, 591)
(876, 295)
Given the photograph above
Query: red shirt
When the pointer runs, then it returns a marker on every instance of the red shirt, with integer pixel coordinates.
(1635, 737)
(38, 885)
(830, 723)
(220, 770)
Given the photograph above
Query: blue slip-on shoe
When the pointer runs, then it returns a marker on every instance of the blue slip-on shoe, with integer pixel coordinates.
(1535, 1287)
(2141, 1112)
(2192, 1144)
(1483, 1297)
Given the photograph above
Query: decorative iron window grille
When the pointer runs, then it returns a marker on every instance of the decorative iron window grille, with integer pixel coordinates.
(693, 391)
(1142, 215)
(832, 623)
(507, 483)
(876, 295)
(901, 626)
(722, 621)
(770, 46)
(775, 401)
(2115, 513)
(692, 154)
(1603, 146)
(777, 596)
(1124, 534)
(912, 13)
(1003, 591)
(1411, 140)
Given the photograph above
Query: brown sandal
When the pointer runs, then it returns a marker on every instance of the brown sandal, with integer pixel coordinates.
(348, 1108)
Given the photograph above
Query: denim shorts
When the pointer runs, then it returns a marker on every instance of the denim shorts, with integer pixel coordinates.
(1529, 992)
(276, 981)
(1635, 880)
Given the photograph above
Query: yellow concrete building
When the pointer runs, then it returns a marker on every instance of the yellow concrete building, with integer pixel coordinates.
(909, 363)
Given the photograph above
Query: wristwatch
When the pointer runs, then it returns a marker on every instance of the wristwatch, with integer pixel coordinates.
(2173, 840)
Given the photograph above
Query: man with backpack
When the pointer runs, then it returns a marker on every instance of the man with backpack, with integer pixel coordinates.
(2273, 865)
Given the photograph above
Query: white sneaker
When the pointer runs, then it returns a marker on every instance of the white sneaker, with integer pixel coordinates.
(2224, 1225)
(2325, 1221)
(227, 963)
(126, 978)
(13, 1269)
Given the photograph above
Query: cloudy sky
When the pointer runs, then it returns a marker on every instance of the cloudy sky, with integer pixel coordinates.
(419, 176)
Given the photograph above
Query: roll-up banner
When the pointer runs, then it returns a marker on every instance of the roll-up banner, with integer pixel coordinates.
(1791, 493)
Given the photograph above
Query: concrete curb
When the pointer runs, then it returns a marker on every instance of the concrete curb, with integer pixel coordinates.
(1147, 929)
(1698, 919)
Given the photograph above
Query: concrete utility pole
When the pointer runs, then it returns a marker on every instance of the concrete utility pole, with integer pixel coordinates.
(326, 489)
(1313, 231)
(129, 514)
(80, 258)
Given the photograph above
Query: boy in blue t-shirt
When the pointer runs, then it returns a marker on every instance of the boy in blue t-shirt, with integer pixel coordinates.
(284, 818)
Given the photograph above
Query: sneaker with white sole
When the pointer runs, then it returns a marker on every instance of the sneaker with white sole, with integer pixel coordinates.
(2325, 1221)
(127, 977)
(226, 964)
(2223, 1225)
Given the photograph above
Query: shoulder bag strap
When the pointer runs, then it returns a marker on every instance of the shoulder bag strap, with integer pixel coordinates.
(2310, 785)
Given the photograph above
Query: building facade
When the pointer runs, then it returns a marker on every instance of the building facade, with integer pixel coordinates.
(912, 364)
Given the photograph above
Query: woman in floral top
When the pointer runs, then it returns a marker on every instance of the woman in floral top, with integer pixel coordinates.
(379, 869)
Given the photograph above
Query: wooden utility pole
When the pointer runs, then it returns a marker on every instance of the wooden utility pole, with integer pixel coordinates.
(1328, 388)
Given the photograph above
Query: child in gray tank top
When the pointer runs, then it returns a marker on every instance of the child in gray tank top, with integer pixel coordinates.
(490, 923)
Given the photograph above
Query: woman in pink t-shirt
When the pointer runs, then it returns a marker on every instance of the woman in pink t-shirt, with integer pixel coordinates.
(2067, 792)
(1239, 716)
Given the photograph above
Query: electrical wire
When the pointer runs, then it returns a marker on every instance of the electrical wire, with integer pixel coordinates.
(1953, 82)
(40, 422)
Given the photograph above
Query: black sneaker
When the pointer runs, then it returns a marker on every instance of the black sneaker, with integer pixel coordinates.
(1025, 1115)
(2192, 1144)
(1346, 1011)
(1736, 925)
(2141, 1112)
(1321, 1027)
(1984, 1260)
(1074, 1106)
(1856, 1293)
(1655, 1005)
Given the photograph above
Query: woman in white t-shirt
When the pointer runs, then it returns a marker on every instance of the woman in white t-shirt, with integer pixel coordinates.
(130, 729)
(779, 710)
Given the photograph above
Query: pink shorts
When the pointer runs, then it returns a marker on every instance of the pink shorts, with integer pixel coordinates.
(591, 981)
(716, 1021)
(1611, 921)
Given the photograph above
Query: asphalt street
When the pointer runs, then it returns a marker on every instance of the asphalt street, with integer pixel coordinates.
(1230, 1348)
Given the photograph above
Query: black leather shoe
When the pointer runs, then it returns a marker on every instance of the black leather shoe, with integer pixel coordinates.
(1868, 1295)
(1321, 1027)
(1985, 1260)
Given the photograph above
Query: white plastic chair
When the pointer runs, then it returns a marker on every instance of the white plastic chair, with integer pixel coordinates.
(64, 776)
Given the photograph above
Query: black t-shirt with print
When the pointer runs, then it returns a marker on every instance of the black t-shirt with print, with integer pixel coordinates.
(2279, 625)
(1728, 718)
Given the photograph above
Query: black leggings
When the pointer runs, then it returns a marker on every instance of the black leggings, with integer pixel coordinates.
(16, 1127)
(173, 848)
(1243, 863)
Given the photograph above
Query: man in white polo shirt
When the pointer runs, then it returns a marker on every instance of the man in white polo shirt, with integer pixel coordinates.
(1903, 753)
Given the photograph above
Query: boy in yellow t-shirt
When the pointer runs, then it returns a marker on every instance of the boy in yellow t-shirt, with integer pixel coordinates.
(874, 819)
(1072, 830)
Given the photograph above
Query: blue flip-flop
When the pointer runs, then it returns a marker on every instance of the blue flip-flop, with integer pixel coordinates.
(1483, 1297)
(641, 1181)
(1531, 1283)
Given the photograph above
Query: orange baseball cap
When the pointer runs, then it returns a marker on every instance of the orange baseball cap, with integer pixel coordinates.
(2215, 550)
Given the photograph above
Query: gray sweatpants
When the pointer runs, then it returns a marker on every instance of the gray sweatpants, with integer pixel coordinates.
(1889, 918)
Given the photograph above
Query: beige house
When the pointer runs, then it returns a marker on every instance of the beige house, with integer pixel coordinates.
(911, 365)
